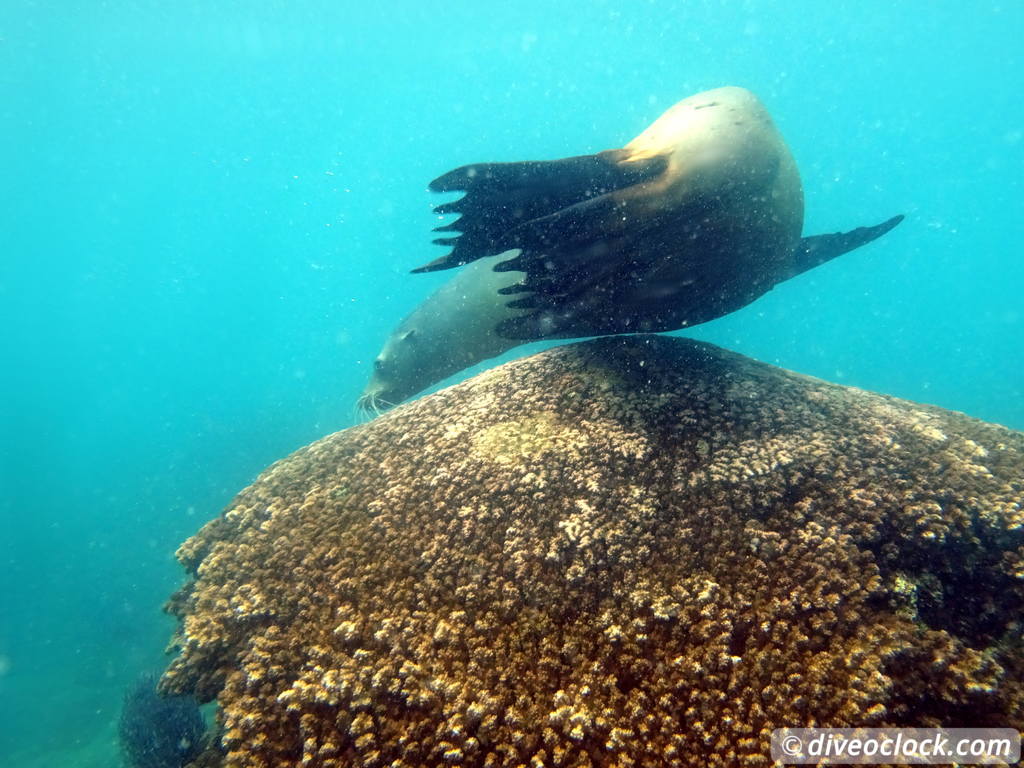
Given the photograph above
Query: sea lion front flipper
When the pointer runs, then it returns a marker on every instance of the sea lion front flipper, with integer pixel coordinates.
(817, 249)
(503, 198)
(587, 288)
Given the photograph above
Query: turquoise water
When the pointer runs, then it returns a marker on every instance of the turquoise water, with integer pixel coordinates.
(210, 209)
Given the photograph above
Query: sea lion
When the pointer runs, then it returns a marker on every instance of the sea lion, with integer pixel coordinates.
(696, 217)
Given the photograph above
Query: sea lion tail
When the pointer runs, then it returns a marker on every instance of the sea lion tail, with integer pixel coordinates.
(817, 249)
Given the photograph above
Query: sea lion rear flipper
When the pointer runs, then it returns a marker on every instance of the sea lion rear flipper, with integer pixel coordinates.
(817, 249)
(571, 285)
(502, 199)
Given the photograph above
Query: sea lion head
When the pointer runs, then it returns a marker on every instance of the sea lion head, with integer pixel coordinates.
(398, 371)
(452, 329)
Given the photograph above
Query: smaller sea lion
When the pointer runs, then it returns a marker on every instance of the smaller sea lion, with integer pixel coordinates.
(453, 329)
(695, 218)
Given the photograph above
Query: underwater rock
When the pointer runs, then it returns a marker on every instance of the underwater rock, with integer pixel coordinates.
(630, 551)
(157, 731)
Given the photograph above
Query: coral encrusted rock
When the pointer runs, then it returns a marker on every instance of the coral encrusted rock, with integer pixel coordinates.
(634, 551)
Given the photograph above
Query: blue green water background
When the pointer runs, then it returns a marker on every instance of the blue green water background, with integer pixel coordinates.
(208, 211)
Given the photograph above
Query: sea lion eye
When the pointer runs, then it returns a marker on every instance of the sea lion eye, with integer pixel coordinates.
(378, 364)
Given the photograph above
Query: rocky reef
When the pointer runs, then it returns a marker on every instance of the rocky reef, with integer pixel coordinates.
(629, 551)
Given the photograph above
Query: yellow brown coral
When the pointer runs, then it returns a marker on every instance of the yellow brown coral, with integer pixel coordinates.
(630, 551)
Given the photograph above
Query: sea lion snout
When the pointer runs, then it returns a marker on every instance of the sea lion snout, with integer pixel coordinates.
(396, 371)
(379, 394)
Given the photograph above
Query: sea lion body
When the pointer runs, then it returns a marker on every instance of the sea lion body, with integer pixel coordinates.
(719, 145)
(726, 213)
(696, 217)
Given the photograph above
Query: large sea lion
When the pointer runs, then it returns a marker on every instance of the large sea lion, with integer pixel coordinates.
(696, 217)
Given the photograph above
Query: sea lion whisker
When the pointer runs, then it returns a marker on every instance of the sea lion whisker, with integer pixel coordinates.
(365, 408)
(362, 413)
